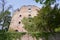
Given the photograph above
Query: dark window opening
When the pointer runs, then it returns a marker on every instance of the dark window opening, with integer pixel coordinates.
(16, 30)
(19, 22)
(20, 15)
(29, 14)
(29, 9)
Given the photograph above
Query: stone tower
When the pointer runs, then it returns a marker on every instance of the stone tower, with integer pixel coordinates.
(25, 11)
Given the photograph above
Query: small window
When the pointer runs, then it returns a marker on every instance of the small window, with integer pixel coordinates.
(29, 9)
(19, 22)
(29, 14)
(16, 30)
(20, 15)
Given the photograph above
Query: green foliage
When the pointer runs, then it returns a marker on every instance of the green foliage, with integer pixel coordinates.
(3, 14)
(46, 2)
(5, 19)
(46, 21)
(37, 35)
(42, 35)
(30, 27)
(57, 29)
(11, 35)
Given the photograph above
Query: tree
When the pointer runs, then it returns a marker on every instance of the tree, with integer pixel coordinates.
(46, 2)
(48, 19)
(50, 16)
(5, 18)
(6, 21)
(5, 15)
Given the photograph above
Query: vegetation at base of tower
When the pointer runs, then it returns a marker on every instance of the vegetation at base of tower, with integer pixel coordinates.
(38, 35)
(11, 35)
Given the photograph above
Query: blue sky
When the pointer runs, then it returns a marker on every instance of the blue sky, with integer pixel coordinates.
(18, 3)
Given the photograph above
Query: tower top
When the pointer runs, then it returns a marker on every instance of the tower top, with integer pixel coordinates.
(28, 6)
